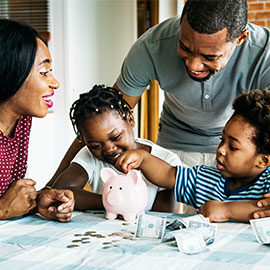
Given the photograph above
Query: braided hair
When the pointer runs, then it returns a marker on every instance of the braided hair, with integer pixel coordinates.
(255, 109)
(97, 101)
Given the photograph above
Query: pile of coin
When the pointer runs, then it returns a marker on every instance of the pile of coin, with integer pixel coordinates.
(85, 238)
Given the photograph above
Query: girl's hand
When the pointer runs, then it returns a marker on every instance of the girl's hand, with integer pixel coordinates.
(263, 203)
(56, 204)
(216, 211)
(131, 159)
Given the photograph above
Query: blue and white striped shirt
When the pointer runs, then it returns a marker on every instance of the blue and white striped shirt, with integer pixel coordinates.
(197, 185)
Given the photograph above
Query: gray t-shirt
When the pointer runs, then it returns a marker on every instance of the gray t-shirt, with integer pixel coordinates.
(194, 113)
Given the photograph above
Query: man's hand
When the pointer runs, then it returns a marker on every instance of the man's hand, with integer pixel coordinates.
(56, 204)
(263, 203)
(216, 211)
(19, 199)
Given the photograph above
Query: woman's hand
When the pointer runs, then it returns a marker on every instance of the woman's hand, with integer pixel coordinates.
(56, 204)
(19, 199)
(263, 203)
(216, 211)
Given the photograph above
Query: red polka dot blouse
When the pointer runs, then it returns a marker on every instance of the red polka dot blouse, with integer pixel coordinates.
(14, 153)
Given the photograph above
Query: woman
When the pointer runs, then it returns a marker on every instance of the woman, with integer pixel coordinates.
(26, 85)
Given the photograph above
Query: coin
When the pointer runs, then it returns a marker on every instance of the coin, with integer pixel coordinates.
(117, 245)
(106, 243)
(128, 237)
(85, 238)
(77, 234)
(89, 232)
(75, 241)
(72, 246)
(126, 223)
(85, 242)
(107, 247)
(115, 240)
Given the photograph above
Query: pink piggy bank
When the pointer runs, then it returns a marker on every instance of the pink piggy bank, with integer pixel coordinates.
(123, 194)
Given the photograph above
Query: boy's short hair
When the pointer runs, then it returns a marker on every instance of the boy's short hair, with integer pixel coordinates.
(255, 109)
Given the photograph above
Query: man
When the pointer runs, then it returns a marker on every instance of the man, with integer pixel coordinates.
(202, 60)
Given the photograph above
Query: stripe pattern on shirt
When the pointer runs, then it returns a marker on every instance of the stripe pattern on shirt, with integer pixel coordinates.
(197, 185)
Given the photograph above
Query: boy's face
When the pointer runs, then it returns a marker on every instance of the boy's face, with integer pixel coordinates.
(107, 136)
(236, 154)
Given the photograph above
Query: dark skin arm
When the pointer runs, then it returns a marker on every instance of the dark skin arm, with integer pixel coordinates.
(132, 101)
(75, 147)
(75, 178)
(223, 211)
(85, 200)
(156, 170)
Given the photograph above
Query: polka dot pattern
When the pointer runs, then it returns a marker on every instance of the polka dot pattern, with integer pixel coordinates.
(14, 153)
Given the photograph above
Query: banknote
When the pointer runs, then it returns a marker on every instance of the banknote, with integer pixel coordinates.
(207, 229)
(194, 238)
(190, 240)
(261, 229)
(149, 226)
(198, 217)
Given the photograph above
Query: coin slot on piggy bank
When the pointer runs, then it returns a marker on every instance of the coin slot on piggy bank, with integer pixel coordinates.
(123, 194)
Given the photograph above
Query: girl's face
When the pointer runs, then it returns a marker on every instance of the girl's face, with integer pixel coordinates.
(236, 154)
(33, 98)
(107, 136)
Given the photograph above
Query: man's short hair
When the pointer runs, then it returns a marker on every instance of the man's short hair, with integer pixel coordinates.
(211, 16)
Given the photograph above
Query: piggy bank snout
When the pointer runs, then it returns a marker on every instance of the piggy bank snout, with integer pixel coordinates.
(114, 198)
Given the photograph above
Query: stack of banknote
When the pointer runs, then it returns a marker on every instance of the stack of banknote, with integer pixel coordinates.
(261, 229)
(192, 234)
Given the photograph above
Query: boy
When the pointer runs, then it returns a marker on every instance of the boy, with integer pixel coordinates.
(241, 176)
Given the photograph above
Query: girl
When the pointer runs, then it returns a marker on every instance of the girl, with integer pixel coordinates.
(242, 174)
(103, 121)
(26, 85)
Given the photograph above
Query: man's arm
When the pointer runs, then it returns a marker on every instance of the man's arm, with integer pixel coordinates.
(70, 154)
(263, 207)
(132, 101)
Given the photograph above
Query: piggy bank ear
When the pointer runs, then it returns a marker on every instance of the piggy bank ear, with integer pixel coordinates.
(134, 175)
(106, 173)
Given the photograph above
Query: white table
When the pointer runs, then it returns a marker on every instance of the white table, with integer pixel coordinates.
(35, 243)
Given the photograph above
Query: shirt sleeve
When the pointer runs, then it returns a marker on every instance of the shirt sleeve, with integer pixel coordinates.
(137, 70)
(85, 159)
(185, 185)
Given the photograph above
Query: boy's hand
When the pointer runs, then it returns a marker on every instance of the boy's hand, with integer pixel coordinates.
(56, 204)
(129, 160)
(216, 211)
(263, 203)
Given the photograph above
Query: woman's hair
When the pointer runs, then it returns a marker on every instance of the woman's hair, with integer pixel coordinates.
(97, 101)
(255, 109)
(18, 48)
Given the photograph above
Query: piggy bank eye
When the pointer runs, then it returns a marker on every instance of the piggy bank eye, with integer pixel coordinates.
(110, 187)
(120, 188)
